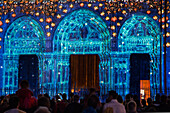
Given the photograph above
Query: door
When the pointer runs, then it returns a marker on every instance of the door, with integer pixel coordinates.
(84, 72)
(28, 70)
(139, 71)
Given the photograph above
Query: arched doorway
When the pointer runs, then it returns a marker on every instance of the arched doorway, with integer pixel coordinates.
(81, 32)
(141, 34)
(28, 70)
(23, 37)
(140, 74)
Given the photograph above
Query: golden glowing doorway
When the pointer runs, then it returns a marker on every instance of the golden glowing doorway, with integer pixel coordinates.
(84, 72)
(144, 89)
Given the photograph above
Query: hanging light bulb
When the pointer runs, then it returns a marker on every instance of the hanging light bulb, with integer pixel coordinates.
(96, 8)
(114, 34)
(48, 34)
(1, 30)
(47, 27)
(48, 20)
(7, 21)
(41, 20)
(102, 13)
(107, 18)
(1, 23)
(52, 24)
(82, 4)
(71, 6)
(148, 12)
(113, 19)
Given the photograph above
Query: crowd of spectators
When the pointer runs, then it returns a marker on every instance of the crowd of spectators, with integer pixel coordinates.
(23, 101)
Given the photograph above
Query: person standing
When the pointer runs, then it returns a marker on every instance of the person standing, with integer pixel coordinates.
(113, 106)
(13, 105)
(26, 99)
(74, 107)
(92, 103)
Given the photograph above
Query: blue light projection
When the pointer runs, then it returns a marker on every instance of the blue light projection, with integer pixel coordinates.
(82, 31)
(24, 36)
(139, 34)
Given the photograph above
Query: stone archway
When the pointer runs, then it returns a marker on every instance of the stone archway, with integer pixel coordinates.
(141, 34)
(23, 37)
(81, 32)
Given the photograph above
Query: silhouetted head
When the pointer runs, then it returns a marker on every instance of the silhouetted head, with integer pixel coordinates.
(119, 99)
(135, 97)
(92, 91)
(39, 96)
(13, 102)
(143, 102)
(58, 98)
(76, 98)
(158, 97)
(71, 95)
(128, 97)
(24, 84)
(113, 94)
(47, 95)
(149, 101)
(64, 96)
(44, 101)
(93, 101)
(131, 106)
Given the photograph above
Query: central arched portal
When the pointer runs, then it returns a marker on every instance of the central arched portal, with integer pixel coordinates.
(81, 32)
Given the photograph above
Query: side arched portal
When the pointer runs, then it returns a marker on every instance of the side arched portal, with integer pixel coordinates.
(23, 37)
(140, 34)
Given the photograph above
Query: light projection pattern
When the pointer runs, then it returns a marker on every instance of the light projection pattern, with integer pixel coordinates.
(139, 34)
(24, 36)
(81, 32)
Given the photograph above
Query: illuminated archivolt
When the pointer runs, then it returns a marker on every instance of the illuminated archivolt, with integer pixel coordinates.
(139, 34)
(81, 27)
(25, 35)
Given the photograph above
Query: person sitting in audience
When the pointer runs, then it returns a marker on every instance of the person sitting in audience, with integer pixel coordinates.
(44, 105)
(13, 105)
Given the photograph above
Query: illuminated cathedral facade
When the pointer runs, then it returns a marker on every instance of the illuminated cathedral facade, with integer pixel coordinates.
(114, 30)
